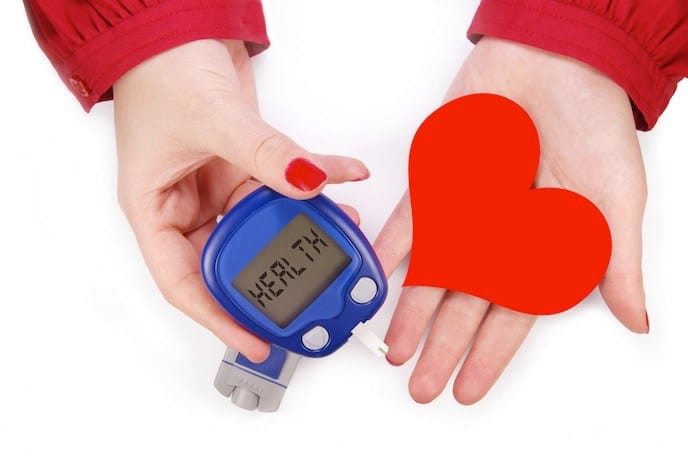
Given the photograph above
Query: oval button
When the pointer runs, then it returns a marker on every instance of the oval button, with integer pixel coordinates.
(364, 291)
(316, 338)
(80, 86)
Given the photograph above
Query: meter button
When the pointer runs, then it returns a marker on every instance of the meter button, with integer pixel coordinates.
(364, 291)
(316, 338)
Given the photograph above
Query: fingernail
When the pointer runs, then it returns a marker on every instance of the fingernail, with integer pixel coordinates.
(304, 175)
(647, 322)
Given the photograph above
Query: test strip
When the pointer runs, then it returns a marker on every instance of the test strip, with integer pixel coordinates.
(370, 340)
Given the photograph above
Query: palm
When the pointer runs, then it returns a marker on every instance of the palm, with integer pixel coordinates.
(192, 204)
(588, 145)
(189, 139)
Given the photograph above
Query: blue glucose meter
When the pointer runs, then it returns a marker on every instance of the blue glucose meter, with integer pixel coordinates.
(297, 273)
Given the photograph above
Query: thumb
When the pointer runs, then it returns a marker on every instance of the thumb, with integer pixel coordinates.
(275, 160)
(622, 285)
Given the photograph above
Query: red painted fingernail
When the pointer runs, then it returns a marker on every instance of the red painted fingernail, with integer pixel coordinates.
(304, 175)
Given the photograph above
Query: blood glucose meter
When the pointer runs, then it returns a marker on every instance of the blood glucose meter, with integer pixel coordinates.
(297, 273)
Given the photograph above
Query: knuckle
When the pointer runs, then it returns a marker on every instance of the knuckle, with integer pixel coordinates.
(265, 149)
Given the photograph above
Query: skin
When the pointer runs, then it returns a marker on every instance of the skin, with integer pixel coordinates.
(190, 142)
(588, 145)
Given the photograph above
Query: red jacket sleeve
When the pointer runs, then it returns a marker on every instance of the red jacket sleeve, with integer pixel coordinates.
(91, 43)
(641, 44)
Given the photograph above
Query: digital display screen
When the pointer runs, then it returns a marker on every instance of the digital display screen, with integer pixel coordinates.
(291, 271)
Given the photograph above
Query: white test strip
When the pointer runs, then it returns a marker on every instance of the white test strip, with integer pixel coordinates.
(370, 340)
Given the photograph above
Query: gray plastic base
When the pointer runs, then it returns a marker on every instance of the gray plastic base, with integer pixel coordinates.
(249, 389)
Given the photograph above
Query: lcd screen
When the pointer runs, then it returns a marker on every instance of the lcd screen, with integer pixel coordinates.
(292, 270)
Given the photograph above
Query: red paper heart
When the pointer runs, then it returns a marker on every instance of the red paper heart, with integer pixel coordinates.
(478, 225)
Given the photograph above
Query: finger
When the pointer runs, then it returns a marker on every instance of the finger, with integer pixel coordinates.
(622, 285)
(341, 169)
(411, 317)
(240, 193)
(394, 241)
(247, 141)
(457, 320)
(212, 184)
(173, 262)
(198, 237)
(498, 339)
(351, 212)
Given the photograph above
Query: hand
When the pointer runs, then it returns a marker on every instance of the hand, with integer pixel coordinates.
(588, 145)
(189, 140)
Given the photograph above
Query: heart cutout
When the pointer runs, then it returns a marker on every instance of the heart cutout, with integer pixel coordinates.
(479, 226)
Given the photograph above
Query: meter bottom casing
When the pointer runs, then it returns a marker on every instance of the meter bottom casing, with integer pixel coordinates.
(254, 386)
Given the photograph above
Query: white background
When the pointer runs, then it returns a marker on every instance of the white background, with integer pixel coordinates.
(95, 365)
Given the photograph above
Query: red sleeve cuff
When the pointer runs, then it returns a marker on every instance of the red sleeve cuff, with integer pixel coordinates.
(586, 36)
(93, 68)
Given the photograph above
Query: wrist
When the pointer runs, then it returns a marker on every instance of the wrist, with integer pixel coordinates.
(176, 67)
(528, 74)
(535, 68)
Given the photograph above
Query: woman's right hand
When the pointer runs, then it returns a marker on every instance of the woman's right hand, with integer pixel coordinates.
(189, 140)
